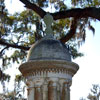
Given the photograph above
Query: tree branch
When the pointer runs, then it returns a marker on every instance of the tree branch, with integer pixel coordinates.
(1, 73)
(1, 52)
(78, 13)
(71, 33)
(2, 42)
(34, 7)
(75, 12)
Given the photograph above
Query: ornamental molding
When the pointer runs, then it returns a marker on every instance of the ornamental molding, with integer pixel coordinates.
(35, 67)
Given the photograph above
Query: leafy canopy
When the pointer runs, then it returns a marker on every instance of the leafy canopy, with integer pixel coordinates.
(20, 30)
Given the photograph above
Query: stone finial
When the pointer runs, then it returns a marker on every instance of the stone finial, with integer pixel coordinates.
(48, 19)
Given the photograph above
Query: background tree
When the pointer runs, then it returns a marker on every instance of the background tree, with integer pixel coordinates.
(94, 93)
(19, 31)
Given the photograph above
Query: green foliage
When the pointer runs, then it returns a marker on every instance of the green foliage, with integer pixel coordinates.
(94, 93)
(64, 4)
(19, 89)
(61, 27)
(10, 96)
(4, 77)
(20, 29)
(74, 53)
(19, 78)
(26, 27)
(22, 32)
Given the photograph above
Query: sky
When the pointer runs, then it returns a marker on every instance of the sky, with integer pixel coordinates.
(89, 64)
(89, 71)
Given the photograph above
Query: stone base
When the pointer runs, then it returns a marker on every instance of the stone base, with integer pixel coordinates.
(48, 79)
(48, 88)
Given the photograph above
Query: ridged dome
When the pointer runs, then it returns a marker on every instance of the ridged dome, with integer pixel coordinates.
(49, 49)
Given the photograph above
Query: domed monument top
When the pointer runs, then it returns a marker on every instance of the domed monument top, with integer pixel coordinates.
(49, 49)
(48, 70)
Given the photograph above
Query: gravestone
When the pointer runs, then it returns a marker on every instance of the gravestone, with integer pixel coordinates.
(49, 69)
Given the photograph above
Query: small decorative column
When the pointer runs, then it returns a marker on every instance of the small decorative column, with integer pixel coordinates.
(30, 90)
(38, 93)
(49, 69)
(45, 90)
(67, 90)
(52, 90)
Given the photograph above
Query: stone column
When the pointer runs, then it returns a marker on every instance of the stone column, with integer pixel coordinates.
(30, 89)
(67, 92)
(38, 93)
(31, 93)
(45, 91)
(58, 91)
(52, 91)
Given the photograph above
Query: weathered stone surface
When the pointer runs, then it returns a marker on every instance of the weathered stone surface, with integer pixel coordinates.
(48, 66)
(50, 49)
(49, 70)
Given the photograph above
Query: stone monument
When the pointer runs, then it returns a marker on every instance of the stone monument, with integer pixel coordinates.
(48, 70)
